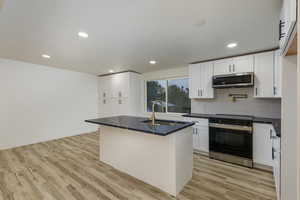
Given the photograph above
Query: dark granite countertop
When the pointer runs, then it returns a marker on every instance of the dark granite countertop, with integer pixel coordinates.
(274, 121)
(137, 124)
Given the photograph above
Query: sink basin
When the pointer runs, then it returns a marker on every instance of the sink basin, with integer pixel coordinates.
(162, 122)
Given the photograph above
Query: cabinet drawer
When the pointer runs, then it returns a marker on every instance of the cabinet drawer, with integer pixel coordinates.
(200, 122)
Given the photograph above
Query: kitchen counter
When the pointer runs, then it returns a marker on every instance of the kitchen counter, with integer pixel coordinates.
(274, 121)
(138, 124)
(163, 162)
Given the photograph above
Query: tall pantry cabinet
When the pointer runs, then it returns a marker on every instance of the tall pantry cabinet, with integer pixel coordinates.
(120, 94)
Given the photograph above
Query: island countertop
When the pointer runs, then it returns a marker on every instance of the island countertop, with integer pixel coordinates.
(138, 124)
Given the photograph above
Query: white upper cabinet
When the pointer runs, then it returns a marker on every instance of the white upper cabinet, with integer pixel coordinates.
(223, 66)
(234, 65)
(194, 81)
(207, 70)
(120, 94)
(277, 74)
(267, 68)
(264, 75)
(200, 80)
(243, 64)
(268, 71)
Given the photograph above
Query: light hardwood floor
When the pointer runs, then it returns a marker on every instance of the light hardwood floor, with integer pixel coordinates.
(68, 169)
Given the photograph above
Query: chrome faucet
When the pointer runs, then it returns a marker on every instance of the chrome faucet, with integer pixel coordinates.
(152, 118)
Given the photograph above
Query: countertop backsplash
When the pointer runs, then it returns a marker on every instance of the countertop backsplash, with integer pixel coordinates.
(222, 104)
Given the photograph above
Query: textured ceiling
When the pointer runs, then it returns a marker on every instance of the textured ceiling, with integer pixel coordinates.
(126, 34)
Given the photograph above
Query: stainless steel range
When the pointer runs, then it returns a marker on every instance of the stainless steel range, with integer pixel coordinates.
(231, 139)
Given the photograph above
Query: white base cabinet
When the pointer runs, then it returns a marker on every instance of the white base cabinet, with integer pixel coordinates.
(163, 162)
(276, 154)
(267, 150)
(201, 135)
(262, 144)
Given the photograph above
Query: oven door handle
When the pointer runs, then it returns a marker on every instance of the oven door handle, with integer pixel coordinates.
(231, 127)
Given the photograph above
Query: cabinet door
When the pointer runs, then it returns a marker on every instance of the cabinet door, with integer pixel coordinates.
(195, 139)
(262, 144)
(194, 81)
(206, 74)
(277, 74)
(223, 67)
(202, 137)
(243, 64)
(104, 88)
(276, 164)
(119, 85)
(264, 75)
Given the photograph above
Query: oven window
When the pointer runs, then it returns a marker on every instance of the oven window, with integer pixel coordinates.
(238, 143)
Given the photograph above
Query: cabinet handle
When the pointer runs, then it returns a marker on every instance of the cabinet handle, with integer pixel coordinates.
(201, 93)
(256, 91)
(270, 133)
(233, 66)
(198, 92)
(229, 68)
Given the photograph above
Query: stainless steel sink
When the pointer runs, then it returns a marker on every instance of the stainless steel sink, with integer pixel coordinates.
(162, 122)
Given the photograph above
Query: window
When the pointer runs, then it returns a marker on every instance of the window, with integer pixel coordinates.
(170, 95)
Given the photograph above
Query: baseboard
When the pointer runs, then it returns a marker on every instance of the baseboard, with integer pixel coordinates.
(255, 165)
(202, 153)
(43, 140)
(263, 167)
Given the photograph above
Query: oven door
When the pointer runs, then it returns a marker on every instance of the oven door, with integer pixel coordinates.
(230, 141)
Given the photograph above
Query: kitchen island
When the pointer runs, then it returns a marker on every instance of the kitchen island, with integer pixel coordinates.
(160, 155)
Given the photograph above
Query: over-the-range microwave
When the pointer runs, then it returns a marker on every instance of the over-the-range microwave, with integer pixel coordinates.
(233, 80)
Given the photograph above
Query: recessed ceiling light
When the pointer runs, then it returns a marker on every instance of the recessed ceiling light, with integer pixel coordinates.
(46, 56)
(152, 62)
(111, 71)
(232, 45)
(83, 34)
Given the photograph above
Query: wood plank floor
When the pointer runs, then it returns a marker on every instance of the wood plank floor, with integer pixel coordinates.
(68, 169)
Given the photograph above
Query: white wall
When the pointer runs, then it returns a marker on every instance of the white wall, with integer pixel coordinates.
(289, 129)
(169, 73)
(298, 100)
(249, 106)
(40, 103)
(1, 3)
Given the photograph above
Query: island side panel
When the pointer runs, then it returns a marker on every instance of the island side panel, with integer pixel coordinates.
(184, 157)
(147, 157)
